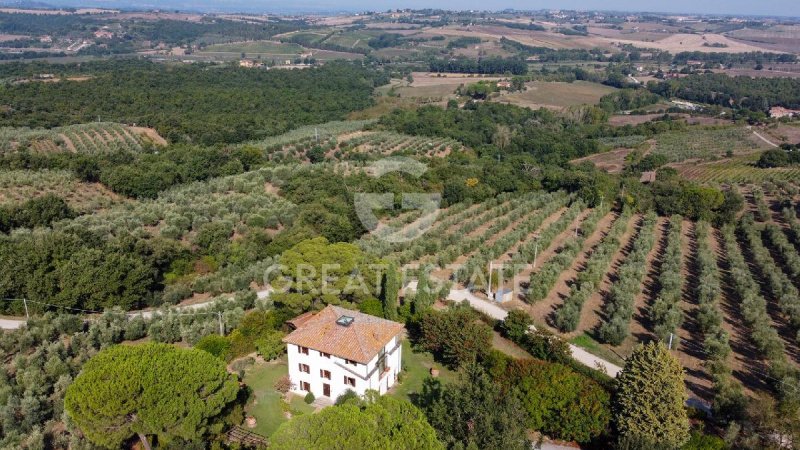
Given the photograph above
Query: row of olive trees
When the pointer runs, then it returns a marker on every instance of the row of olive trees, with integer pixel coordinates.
(450, 231)
(666, 313)
(505, 216)
(780, 243)
(728, 395)
(532, 221)
(473, 245)
(762, 209)
(619, 307)
(777, 283)
(528, 250)
(790, 217)
(375, 244)
(753, 305)
(568, 316)
(542, 282)
(43, 358)
(450, 242)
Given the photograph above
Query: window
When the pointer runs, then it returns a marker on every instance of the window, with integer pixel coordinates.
(350, 381)
(325, 374)
(303, 350)
(325, 355)
(351, 362)
(304, 368)
(305, 386)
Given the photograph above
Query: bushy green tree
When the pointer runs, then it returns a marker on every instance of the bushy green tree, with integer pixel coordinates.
(516, 325)
(475, 413)
(649, 403)
(375, 423)
(271, 345)
(559, 402)
(215, 344)
(454, 336)
(316, 273)
(149, 389)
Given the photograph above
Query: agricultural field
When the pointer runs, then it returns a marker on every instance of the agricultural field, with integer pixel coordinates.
(252, 48)
(736, 170)
(608, 278)
(343, 141)
(91, 138)
(18, 186)
(557, 95)
(238, 203)
(706, 143)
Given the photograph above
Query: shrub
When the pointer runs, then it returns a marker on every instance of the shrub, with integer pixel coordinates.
(345, 396)
(283, 384)
(271, 346)
(516, 325)
(559, 402)
(215, 344)
(309, 398)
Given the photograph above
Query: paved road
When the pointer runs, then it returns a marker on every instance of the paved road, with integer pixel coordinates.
(11, 324)
(496, 312)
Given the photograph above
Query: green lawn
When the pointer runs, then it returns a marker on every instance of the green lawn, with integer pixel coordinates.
(418, 367)
(266, 404)
(588, 343)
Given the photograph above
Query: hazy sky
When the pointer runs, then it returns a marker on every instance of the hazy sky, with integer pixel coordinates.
(750, 7)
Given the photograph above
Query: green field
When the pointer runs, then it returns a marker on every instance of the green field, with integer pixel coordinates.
(257, 47)
(417, 368)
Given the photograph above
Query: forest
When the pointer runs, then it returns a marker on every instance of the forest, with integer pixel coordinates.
(194, 103)
(757, 94)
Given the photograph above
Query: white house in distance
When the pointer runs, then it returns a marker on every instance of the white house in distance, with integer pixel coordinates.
(337, 349)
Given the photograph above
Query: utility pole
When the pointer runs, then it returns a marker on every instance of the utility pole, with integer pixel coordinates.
(670, 341)
(27, 315)
(489, 282)
(221, 324)
(535, 249)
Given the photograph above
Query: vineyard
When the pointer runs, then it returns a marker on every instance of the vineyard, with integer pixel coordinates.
(737, 170)
(726, 298)
(90, 138)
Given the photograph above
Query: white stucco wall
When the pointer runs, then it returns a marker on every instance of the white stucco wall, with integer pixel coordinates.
(365, 375)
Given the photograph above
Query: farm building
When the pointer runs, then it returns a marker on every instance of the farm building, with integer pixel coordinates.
(503, 295)
(336, 349)
(779, 112)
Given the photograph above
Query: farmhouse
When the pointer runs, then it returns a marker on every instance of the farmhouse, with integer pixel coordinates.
(337, 349)
(778, 112)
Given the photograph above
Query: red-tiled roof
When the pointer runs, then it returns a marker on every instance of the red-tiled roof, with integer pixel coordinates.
(360, 341)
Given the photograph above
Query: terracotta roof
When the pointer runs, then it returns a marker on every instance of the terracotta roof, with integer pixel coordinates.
(360, 341)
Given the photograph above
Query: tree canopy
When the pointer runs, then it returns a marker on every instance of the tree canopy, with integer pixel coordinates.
(649, 403)
(149, 389)
(374, 423)
(316, 273)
